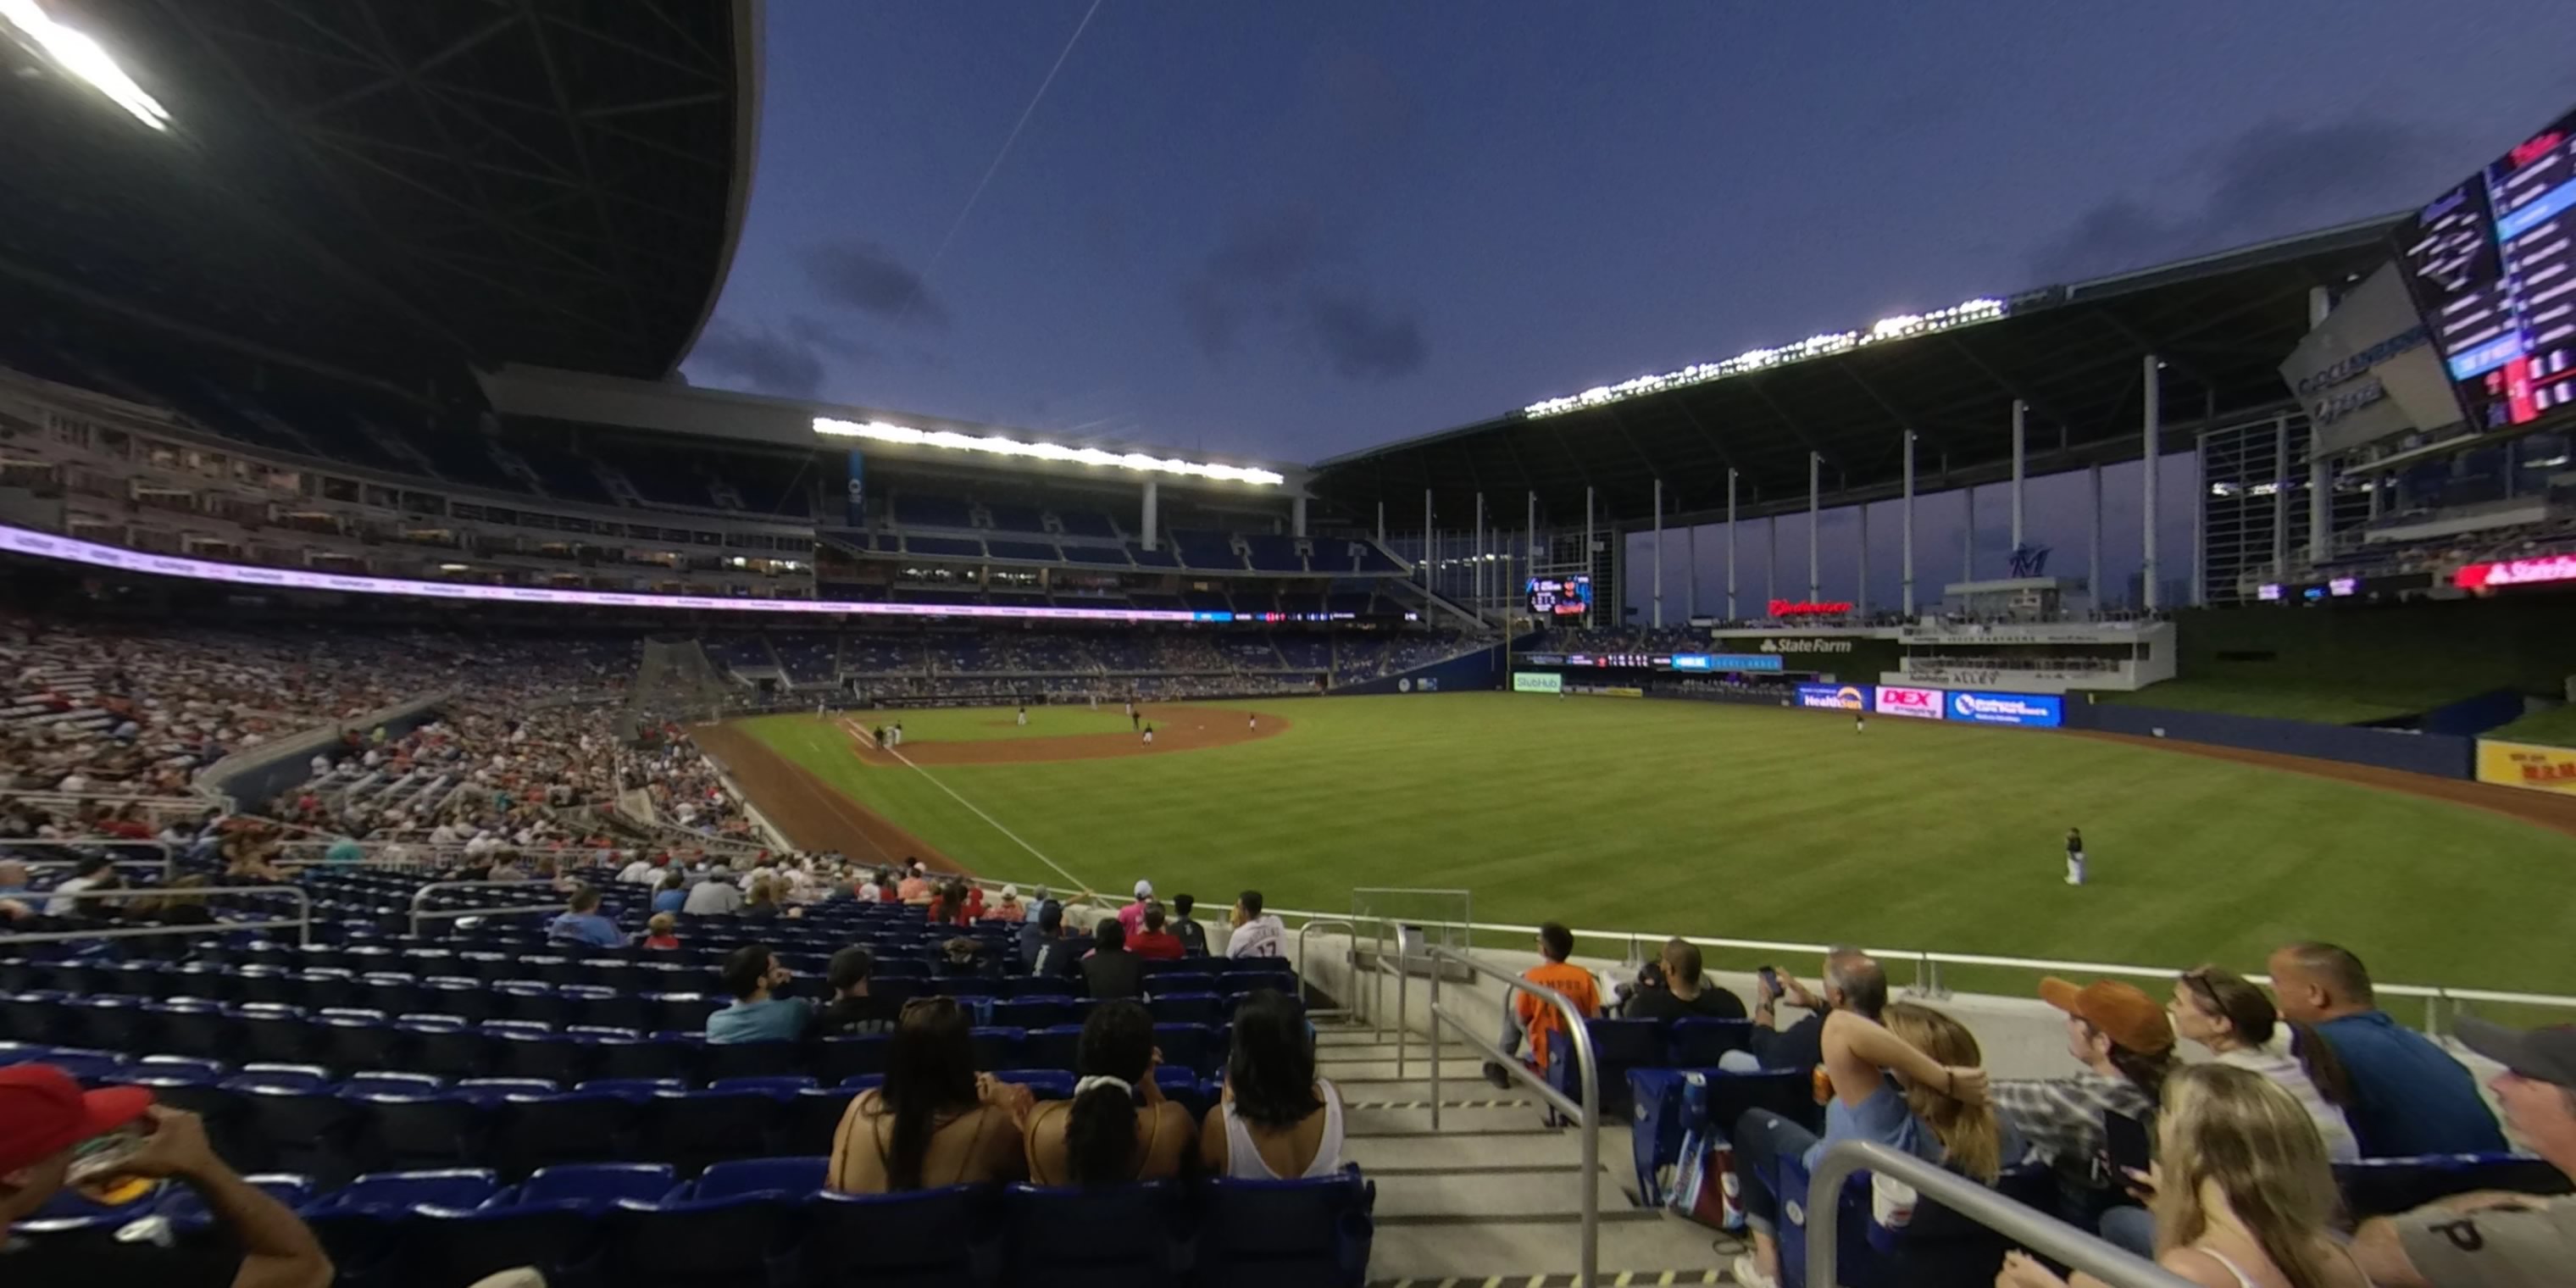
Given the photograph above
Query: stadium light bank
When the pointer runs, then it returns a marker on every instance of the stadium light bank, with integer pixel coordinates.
(1902, 326)
(75, 52)
(995, 445)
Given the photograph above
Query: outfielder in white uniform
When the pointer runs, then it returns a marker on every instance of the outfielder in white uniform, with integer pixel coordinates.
(2074, 857)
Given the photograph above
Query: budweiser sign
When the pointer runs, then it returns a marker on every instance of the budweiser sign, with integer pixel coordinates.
(1810, 607)
(2516, 572)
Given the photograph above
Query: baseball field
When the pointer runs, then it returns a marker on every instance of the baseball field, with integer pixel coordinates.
(1747, 822)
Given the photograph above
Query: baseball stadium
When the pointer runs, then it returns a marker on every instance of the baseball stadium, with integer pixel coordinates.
(380, 604)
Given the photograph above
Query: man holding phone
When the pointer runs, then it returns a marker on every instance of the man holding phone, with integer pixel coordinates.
(46, 1120)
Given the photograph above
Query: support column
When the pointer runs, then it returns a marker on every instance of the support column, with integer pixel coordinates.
(2093, 546)
(1593, 600)
(1860, 601)
(1968, 537)
(2281, 498)
(1690, 579)
(1730, 544)
(1427, 554)
(1659, 554)
(1381, 523)
(2378, 485)
(1153, 499)
(1906, 523)
(1297, 516)
(2020, 419)
(1815, 486)
(2149, 427)
(2200, 518)
(1770, 562)
(1477, 568)
(2321, 501)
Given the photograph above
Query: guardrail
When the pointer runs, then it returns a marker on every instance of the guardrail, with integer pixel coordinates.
(1586, 1112)
(420, 896)
(2029, 1227)
(160, 807)
(168, 863)
(302, 922)
(1302, 972)
(2439, 1000)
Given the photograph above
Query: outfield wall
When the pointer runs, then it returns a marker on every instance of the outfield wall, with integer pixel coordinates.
(2441, 755)
(1482, 669)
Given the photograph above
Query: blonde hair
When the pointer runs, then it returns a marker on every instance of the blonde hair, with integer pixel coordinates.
(2238, 1131)
(1971, 1141)
(662, 923)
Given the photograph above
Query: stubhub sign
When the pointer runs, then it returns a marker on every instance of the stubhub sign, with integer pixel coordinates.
(1922, 704)
(2029, 710)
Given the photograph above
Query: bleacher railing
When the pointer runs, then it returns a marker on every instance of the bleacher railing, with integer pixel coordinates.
(79, 847)
(2029, 1227)
(1586, 1112)
(301, 922)
(160, 809)
(420, 912)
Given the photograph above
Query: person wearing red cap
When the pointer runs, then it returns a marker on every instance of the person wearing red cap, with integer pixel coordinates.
(45, 1116)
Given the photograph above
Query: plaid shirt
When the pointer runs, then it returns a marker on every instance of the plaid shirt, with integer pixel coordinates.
(2060, 1119)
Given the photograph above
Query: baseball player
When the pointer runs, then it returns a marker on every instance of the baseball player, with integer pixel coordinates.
(1149, 735)
(898, 733)
(1024, 715)
(1134, 721)
(1252, 721)
(1860, 721)
(2074, 857)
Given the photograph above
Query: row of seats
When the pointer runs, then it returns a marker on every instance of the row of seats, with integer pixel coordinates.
(452, 1047)
(750, 1222)
(295, 1117)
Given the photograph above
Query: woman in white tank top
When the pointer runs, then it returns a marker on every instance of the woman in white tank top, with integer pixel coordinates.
(1276, 1120)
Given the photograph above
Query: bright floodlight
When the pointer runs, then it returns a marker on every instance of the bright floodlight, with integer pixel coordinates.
(996, 445)
(85, 58)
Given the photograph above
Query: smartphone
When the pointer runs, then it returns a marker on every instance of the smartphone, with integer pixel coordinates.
(2130, 1145)
(1770, 980)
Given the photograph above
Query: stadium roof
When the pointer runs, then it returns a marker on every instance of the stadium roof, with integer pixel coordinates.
(383, 184)
(2221, 323)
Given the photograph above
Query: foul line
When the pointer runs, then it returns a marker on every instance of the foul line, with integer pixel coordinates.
(1076, 882)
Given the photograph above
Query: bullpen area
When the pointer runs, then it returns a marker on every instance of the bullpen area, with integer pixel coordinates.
(1738, 821)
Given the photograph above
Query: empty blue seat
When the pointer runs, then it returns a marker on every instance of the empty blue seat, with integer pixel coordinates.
(532, 1132)
(1192, 980)
(723, 1060)
(1619, 1045)
(1186, 1046)
(1288, 1234)
(691, 1129)
(1124, 1236)
(1186, 1008)
(2387, 1186)
(923, 1239)
(420, 1130)
(710, 1243)
(456, 1187)
(996, 1048)
(780, 1086)
(1052, 1048)
(598, 1184)
(791, 1178)
(1698, 1044)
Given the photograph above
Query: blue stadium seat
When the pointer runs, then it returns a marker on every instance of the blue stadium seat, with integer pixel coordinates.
(1186, 1008)
(598, 1184)
(1697, 1044)
(420, 1130)
(923, 1239)
(1124, 1236)
(793, 1179)
(724, 1060)
(1620, 1045)
(691, 1129)
(844, 1058)
(2387, 1186)
(535, 1131)
(1187, 1046)
(712, 1243)
(1287, 1234)
(1937, 1248)
(996, 1048)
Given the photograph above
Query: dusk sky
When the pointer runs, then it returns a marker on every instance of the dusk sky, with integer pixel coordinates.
(1296, 229)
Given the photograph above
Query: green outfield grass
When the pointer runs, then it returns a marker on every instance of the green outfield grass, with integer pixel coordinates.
(1755, 822)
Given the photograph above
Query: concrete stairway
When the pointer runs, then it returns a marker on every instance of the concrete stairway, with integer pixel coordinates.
(1491, 1196)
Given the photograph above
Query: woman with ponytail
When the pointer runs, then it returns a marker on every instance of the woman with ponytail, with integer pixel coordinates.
(1117, 1128)
(2243, 1192)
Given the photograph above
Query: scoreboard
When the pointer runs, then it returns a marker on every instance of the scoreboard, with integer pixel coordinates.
(2492, 265)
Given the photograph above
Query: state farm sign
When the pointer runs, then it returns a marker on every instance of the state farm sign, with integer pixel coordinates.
(1921, 704)
(2516, 572)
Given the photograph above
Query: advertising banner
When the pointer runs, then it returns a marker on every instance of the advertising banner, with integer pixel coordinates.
(2516, 572)
(1537, 682)
(2524, 764)
(1920, 704)
(2026, 710)
(1834, 697)
(1725, 662)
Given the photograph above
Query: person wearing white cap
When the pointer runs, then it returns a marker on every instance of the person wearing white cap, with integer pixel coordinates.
(1009, 907)
(1133, 915)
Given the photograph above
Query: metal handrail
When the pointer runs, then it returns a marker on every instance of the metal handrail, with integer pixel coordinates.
(169, 853)
(419, 915)
(2027, 1226)
(1304, 975)
(1587, 1112)
(302, 921)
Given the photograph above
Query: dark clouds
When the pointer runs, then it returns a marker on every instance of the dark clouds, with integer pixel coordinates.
(859, 274)
(1283, 278)
(2271, 180)
(788, 362)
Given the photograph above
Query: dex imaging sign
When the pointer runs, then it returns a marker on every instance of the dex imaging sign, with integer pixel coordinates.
(2029, 710)
(1921, 704)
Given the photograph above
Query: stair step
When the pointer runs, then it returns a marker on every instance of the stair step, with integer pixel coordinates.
(1413, 1153)
(1638, 1254)
(1460, 1197)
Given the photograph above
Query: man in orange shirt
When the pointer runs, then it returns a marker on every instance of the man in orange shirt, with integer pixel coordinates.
(1527, 1015)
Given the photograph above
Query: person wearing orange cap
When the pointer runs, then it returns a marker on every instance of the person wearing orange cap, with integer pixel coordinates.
(45, 1119)
(2125, 1043)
